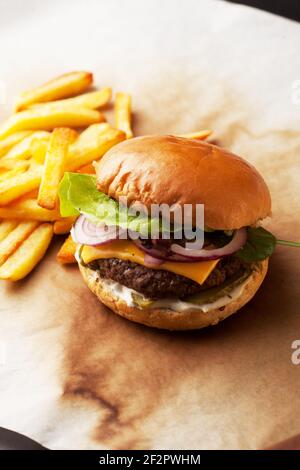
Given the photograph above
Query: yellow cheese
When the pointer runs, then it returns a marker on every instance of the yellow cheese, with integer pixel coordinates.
(128, 251)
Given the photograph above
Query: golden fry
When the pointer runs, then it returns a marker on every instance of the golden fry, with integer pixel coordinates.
(69, 84)
(14, 239)
(10, 141)
(63, 225)
(123, 113)
(17, 186)
(6, 174)
(92, 144)
(33, 194)
(38, 150)
(66, 254)
(92, 100)
(47, 119)
(87, 169)
(22, 150)
(29, 253)
(28, 209)
(54, 166)
(6, 226)
(201, 135)
(11, 164)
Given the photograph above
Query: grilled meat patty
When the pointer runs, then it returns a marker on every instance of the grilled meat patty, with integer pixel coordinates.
(157, 283)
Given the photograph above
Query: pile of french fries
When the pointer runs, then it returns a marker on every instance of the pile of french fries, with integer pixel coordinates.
(56, 127)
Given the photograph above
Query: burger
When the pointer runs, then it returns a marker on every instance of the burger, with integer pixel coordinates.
(170, 282)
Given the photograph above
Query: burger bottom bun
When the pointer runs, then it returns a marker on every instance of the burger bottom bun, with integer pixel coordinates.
(170, 319)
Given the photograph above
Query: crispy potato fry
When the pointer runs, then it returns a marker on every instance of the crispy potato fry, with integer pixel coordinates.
(92, 144)
(6, 226)
(66, 254)
(4, 175)
(33, 194)
(47, 119)
(11, 164)
(15, 187)
(28, 209)
(54, 166)
(61, 226)
(29, 253)
(38, 150)
(14, 239)
(22, 150)
(69, 84)
(88, 169)
(11, 140)
(201, 135)
(92, 100)
(123, 113)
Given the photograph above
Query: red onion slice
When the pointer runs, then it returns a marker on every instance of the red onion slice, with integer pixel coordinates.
(238, 241)
(89, 233)
(151, 261)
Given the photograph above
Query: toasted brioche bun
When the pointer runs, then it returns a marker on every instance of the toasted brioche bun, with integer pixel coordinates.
(170, 170)
(170, 319)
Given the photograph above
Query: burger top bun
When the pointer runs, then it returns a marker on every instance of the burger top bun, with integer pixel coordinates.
(170, 170)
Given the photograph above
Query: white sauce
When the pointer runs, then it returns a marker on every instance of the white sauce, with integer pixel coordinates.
(127, 295)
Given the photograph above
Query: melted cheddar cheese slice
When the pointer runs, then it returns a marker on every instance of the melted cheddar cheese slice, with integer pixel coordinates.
(128, 251)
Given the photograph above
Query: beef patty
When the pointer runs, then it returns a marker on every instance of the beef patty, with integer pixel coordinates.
(157, 283)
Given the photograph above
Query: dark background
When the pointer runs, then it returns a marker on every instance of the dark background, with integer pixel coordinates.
(287, 8)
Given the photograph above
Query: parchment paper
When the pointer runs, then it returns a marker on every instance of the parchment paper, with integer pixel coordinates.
(76, 376)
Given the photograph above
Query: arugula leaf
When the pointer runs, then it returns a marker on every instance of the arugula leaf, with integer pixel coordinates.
(288, 243)
(259, 246)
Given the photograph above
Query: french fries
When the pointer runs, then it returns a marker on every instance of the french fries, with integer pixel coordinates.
(37, 145)
(92, 100)
(85, 150)
(6, 174)
(66, 254)
(28, 209)
(53, 169)
(29, 253)
(11, 164)
(6, 227)
(15, 238)
(87, 169)
(38, 150)
(61, 226)
(69, 84)
(23, 149)
(92, 144)
(47, 119)
(200, 135)
(123, 113)
(10, 141)
(17, 186)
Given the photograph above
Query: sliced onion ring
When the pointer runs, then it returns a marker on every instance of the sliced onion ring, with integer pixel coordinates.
(151, 261)
(238, 241)
(89, 233)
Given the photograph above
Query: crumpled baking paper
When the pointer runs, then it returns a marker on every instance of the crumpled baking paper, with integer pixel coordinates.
(76, 376)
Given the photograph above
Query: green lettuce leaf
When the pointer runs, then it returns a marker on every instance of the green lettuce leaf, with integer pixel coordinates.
(259, 246)
(78, 194)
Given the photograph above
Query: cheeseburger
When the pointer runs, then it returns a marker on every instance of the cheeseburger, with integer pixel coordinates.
(173, 282)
